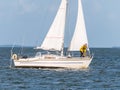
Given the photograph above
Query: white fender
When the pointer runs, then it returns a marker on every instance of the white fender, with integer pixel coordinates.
(14, 56)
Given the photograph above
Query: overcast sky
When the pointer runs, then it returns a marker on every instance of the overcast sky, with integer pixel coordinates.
(25, 22)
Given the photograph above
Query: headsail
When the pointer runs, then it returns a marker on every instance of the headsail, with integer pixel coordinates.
(55, 37)
(79, 37)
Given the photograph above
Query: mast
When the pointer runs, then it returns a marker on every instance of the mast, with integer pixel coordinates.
(62, 50)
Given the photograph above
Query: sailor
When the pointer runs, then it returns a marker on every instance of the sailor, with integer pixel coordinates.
(83, 50)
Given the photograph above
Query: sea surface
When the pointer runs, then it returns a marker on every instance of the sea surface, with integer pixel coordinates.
(103, 73)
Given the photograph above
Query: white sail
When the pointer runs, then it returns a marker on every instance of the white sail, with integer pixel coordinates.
(55, 37)
(79, 36)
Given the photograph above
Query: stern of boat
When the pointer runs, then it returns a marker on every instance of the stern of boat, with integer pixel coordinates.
(12, 60)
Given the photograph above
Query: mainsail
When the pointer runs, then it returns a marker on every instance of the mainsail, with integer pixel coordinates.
(54, 39)
(79, 37)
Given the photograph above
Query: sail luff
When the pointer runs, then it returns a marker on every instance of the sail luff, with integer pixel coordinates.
(54, 39)
(79, 37)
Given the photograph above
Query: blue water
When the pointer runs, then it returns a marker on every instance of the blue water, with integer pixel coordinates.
(103, 74)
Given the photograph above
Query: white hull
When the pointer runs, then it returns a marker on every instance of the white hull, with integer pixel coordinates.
(64, 62)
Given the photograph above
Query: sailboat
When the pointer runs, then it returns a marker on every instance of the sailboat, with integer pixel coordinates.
(54, 41)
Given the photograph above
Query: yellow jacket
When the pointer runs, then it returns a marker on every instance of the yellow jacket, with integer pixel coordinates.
(83, 48)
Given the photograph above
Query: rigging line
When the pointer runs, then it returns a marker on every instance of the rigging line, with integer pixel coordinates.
(21, 51)
(44, 18)
(11, 51)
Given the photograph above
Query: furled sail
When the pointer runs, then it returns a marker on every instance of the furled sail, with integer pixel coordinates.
(79, 37)
(55, 37)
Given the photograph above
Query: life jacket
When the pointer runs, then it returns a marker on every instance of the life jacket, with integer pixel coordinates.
(83, 48)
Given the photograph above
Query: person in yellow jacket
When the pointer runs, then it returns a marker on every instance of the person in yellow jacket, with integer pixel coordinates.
(83, 50)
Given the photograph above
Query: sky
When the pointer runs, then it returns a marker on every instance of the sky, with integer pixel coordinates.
(25, 22)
